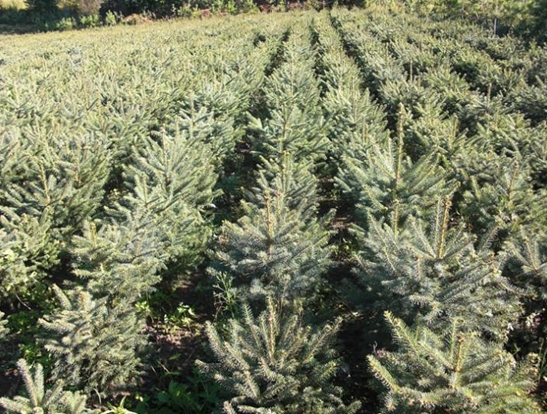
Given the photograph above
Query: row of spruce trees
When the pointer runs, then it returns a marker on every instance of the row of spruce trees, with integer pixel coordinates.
(101, 219)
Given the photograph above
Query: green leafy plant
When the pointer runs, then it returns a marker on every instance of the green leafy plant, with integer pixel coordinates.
(111, 19)
(197, 394)
(66, 23)
(92, 20)
(182, 317)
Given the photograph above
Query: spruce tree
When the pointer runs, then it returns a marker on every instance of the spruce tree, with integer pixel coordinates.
(64, 175)
(42, 401)
(52, 184)
(28, 251)
(353, 119)
(434, 272)
(278, 247)
(388, 184)
(448, 84)
(172, 178)
(451, 370)
(285, 175)
(206, 118)
(95, 342)
(499, 192)
(274, 364)
(158, 220)
(528, 252)
(294, 121)
(122, 260)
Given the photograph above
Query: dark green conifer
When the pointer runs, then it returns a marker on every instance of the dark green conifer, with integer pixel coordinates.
(28, 251)
(389, 184)
(529, 251)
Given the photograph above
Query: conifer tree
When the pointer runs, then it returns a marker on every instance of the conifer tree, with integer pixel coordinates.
(530, 100)
(409, 93)
(451, 370)
(294, 122)
(355, 122)
(353, 119)
(28, 251)
(388, 184)
(499, 192)
(274, 364)
(278, 247)
(435, 272)
(157, 221)
(63, 175)
(207, 118)
(537, 155)
(96, 342)
(172, 179)
(57, 183)
(285, 175)
(529, 251)
(121, 260)
(448, 84)
(42, 401)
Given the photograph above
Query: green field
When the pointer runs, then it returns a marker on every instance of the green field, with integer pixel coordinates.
(306, 212)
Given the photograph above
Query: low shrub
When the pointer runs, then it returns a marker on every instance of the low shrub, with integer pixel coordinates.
(66, 23)
(93, 20)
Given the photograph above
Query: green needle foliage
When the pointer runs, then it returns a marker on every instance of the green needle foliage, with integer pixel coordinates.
(27, 251)
(501, 193)
(157, 221)
(389, 184)
(170, 180)
(451, 371)
(42, 401)
(295, 179)
(65, 175)
(433, 271)
(529, 251)
(295, 123)
(95, 342)
(121, 260)
(274, 364)
(43, 200)
(279, 247)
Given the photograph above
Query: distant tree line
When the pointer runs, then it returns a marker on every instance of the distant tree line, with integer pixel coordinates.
(527, 18)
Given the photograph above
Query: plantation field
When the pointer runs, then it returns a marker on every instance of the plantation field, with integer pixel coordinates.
(306, 212)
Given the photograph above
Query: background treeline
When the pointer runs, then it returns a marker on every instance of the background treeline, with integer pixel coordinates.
(523, 17)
